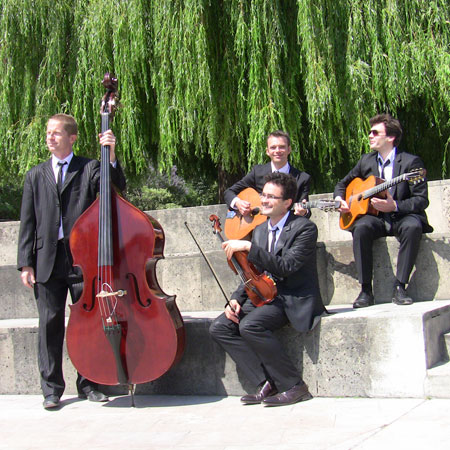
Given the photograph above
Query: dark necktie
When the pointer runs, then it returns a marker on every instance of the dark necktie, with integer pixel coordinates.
(274, 238)
(60, 175)
(386, 163)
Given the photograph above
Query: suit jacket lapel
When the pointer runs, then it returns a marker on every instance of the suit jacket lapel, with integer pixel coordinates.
(397, 165)
(262, 236)
(374, 165)
(49, 176)
(396, 171)
(72, 170)
(284, 234)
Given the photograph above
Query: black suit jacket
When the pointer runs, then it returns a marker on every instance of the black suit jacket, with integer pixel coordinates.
(256, 180)
(411, 198)
(40, 213)
(293, 267)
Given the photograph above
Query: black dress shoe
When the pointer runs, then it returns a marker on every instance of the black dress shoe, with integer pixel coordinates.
(93, 396)
(364, 299)
(400, 297)
(51, 401)
(298, 393)
(265, 389)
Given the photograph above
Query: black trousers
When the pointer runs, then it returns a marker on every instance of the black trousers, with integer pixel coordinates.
(51, 302)
(253, 346)
(408, 231)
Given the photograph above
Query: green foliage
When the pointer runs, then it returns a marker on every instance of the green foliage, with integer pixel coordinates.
(203, 82)
(10, 197)
(160, 191)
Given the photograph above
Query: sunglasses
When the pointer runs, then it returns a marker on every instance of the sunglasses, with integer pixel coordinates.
(375, 133)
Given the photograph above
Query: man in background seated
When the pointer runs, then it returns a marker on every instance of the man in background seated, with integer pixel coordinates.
(401, 213)
(278, 150)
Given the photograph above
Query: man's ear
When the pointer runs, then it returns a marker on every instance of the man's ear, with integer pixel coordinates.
(73, 138)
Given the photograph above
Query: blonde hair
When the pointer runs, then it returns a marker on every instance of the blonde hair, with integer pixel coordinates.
(69, 123)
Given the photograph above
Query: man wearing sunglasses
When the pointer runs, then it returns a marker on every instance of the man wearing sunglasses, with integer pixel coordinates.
(285, 247)
(278, 150)
(400, 214)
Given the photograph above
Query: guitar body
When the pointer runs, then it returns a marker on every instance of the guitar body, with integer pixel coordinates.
(359, 204)
(240, 227)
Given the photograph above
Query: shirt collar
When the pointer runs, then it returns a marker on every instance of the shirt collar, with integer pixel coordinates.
(56, 160)
(390, 157)
(284, 169)
(279, 224)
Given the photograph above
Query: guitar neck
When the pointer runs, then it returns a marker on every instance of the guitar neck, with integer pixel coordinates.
(321, 204)
(383, 186)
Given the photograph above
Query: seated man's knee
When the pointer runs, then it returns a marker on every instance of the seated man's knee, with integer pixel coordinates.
(361, 231)
(413, 231)
(248, 328)
(216, 329)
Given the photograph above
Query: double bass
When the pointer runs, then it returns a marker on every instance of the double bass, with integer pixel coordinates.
(124, 329)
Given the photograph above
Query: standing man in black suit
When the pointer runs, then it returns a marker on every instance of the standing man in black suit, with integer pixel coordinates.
(401, 213)
(246, 331)
(278, 150)
(55, 194)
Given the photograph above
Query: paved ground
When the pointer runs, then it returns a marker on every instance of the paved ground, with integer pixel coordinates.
(218, 423)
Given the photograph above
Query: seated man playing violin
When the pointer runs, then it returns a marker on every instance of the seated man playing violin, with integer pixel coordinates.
(278, 150)
(401, 213)
(284, 247)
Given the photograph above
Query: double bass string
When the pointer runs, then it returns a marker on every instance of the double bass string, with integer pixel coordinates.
(105, 248)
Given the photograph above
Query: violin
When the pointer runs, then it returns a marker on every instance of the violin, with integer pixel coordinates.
(124, 329)
(259, 287)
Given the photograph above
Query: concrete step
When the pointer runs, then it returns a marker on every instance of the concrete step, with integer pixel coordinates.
(447, 343)
(437, 381)
(187, 276)
(381, 351)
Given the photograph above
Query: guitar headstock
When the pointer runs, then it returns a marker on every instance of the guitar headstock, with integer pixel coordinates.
(328, 205)
(416, 176)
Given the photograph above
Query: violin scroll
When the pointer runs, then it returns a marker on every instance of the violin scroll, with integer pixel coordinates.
(215, 224)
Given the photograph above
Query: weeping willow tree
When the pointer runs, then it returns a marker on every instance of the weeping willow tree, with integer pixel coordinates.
(202, 82)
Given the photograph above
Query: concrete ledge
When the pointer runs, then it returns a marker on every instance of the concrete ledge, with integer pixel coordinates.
(429, 279)
(185, 274)
(381, 351)
(188, 277)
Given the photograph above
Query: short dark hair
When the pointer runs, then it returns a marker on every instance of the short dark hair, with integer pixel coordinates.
(280, 134)
(286, 182)
(69, 123)
(393, 127)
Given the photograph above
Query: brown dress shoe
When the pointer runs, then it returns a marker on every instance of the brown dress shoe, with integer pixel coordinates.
(298, 393)
(265, 389)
